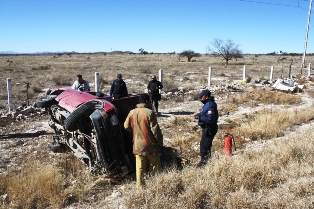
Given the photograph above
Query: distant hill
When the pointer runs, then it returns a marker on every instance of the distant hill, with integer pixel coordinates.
(8, 52)
(13, 52)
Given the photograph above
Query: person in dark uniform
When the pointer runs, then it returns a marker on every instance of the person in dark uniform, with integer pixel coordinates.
(118, 88)
(207, 119)
(153, 91)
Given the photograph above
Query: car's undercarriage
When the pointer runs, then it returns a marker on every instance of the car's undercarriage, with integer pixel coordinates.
(89, 125)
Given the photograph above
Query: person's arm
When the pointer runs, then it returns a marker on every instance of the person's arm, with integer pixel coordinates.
(74, 86)
(87, 86)
(111, 89)
(127, 123)
(126, 89)
(148, 87)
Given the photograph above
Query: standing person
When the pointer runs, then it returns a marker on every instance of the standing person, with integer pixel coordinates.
(118, 88)
(153, 90)
(81, 84)
(147, 138)
(207, 119)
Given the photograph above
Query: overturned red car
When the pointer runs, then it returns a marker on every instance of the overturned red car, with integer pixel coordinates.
(89, 124)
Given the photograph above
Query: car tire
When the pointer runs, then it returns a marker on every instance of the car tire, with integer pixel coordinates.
(83, 110)
(46, 101)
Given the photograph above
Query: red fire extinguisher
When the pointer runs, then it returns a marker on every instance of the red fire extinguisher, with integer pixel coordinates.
(228, 144)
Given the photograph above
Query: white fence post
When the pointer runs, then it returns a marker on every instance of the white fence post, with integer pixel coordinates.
(96, 82)
(309, 70)
(9, 89)
(271, 73)
(209, 76)
(244, 73)
(161, 76)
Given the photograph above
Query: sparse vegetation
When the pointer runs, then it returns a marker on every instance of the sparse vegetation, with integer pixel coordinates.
(228, 120)
(269, 123)
(142, 51)
(61, 81)
(40, 184)
(227, 49)
(278, 173)
(262, 96)
(36, 89)
(251, 180)
(40, 68)
(189, 54)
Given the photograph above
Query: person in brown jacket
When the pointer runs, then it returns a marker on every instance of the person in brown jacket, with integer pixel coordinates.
(147, 138)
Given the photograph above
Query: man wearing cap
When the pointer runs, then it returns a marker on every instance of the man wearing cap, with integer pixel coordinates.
(207, 119)
(118, 88)
(80, 84)
(153, 90)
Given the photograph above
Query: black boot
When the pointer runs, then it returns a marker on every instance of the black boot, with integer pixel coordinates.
(202, 162)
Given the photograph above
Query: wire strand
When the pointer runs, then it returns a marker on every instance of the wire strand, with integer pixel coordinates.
(275, 4)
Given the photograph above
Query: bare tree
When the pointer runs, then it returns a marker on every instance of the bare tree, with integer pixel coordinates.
(189, 54)
(142, 51)
(226, 49)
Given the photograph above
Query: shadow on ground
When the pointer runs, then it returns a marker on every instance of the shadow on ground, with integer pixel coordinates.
(24, 135)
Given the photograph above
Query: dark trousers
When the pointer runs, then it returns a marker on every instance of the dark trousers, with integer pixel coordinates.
(155, 98)
(206, 144)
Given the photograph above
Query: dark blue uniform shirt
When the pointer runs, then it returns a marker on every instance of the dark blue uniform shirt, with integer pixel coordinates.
(209, 114)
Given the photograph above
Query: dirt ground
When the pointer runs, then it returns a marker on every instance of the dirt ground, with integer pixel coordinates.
(182, 81)
(29, 134)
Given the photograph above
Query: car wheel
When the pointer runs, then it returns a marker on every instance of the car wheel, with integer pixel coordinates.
(46, 101)
(83, 110)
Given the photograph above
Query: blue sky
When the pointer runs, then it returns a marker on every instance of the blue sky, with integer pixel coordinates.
(257, 26)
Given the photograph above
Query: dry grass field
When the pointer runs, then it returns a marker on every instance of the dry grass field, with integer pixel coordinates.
(43, 71)
(271, 168)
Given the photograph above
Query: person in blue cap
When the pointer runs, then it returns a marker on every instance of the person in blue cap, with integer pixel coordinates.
(207, 119)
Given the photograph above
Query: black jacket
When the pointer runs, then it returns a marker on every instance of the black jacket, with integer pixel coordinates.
(154, 86)
(118, 87)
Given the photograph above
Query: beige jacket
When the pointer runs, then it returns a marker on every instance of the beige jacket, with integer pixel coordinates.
(147, 136)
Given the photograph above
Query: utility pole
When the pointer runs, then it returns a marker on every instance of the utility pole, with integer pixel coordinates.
(306, 34)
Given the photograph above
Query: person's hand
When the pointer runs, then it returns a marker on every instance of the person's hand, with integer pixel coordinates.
(196, 116)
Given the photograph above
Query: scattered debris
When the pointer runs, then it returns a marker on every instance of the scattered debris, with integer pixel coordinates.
(19, 142)
(287, 85)
(258, 84)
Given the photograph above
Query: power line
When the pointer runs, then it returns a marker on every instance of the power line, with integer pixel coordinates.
(274, 4)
